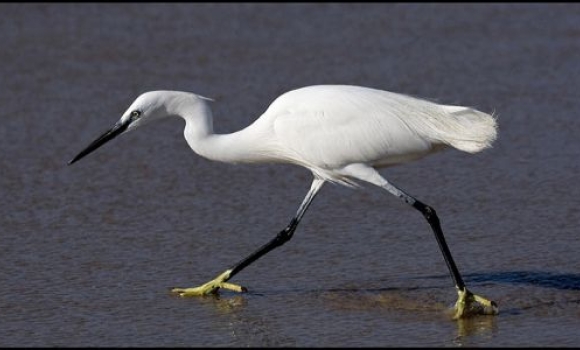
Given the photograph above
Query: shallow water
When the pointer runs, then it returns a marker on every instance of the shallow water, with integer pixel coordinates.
(89, 251)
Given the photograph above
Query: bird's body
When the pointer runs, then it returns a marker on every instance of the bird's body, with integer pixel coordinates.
(326, 128)
(341, 133)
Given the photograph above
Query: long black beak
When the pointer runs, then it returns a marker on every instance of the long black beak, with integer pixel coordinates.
(116, 130)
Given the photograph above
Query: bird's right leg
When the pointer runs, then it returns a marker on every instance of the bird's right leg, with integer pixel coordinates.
(283, 236)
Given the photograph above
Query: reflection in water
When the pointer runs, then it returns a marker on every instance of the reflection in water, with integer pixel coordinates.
(223, 304)
(480, 326)
(418, 304)
(230, 304)
(246, 328)
(250, 328)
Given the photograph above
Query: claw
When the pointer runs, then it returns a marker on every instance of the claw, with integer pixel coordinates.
(469, 304)
(211, 287)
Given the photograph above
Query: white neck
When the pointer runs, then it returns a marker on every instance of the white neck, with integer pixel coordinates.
(239, 147)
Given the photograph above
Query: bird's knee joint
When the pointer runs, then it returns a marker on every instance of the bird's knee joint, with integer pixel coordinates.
(427, 211)
(284, 235)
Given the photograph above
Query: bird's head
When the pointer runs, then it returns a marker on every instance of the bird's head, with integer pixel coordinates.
(148, 107)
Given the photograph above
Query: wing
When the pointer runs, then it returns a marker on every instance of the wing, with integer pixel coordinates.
(330, 127)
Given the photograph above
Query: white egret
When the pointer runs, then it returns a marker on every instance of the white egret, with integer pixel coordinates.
(342, 134)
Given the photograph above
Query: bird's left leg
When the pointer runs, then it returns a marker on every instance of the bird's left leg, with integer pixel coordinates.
(284, 236)
(467, 303)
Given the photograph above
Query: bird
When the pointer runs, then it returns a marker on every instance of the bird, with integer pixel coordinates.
(343, 134)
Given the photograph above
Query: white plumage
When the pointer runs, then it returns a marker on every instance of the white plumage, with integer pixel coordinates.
(341, 133)
(328, 127)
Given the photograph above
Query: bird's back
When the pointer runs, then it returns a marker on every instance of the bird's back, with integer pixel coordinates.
(330, 126)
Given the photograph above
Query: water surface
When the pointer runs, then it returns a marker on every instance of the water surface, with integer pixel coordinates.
(89, 251)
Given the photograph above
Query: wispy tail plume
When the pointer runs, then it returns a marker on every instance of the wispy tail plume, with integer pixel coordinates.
(468, 130)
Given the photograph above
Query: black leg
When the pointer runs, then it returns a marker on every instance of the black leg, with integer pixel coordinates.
(467, 304)
(429, 214)
(433, 221)
(283, 236)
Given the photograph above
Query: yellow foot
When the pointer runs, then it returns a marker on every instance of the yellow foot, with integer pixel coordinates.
(210, 287)
(469, 304)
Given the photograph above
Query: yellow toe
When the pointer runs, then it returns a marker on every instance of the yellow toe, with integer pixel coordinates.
(195, 291)
(211, 287)
(233, 287)
(469, 304)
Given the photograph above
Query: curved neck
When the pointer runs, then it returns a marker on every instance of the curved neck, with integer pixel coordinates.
(244, 146)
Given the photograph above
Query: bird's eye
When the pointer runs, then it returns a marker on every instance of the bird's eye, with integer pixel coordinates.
(135, 114)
